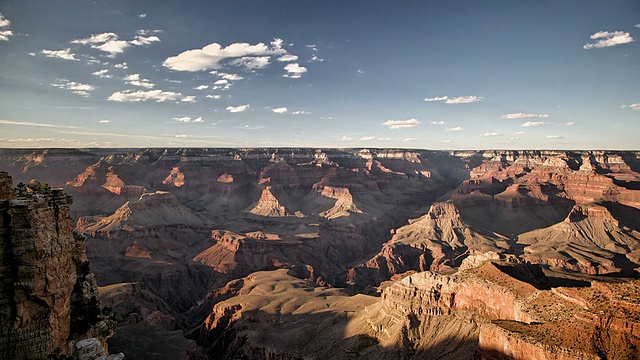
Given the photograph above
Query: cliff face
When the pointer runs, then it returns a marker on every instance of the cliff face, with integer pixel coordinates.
(48, 297)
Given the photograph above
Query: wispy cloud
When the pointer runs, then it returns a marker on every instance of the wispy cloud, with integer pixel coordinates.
(214, 55)
(110, 42)
(28, 123)
(455, 100)
(555, 137)
(301, 112)
(346, 138)
(402, 124)
(65, 54)
(519, 133)
(524, 116)
(201, 87)
(534, 124)
(280, 110)
(287, 58)
(570, 123)
(105, 121)
(491, 134)
(227, 76)
(635, 106)
(142, 16)
(367, 138)
(294, 70)
(74, 87)
(236, 109)
(102, 73)
(410, 139)
(437, 123)
(151, 95)
(608, 39)
(213, 96)
(135, 80)
(189, 119)
(457, 128)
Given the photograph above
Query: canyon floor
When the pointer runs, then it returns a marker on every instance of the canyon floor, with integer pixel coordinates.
(357, 253)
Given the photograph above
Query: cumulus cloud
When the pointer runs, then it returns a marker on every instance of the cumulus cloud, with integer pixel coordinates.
(141, 95)
(252, 63)
(122, 66)
(455, 100)
(608, 39)
(74, 87)
(457, 128)
(367, 138)
(142, 16)
(280, 110)
(189, 99)
(65, 54)
(110, 42)
(105, 121)
(294, 70)
(401, 124)
(227, 76)
(189, 119)
(490, 134)
(239, 108)
(5, 33)
(201, 87)
(214, 55)
(524, 116)
(287, 58)
(437, 123)
(534, 124)
(135, 80)
(635, 106)
(213, 96)
(102, 73)
(315, 57)
(519, 133)
(346, 138)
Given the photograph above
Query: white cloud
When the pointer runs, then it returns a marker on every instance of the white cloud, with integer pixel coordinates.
(201, 87)
(189, 99)
(608, 39)
(142, 16)
(410, 139)
(638, 25)
(524, 116)
(122, 65)
(287, 58)
(446, 141)
(144, 40)
(457, 128)
(346, 138)
(294, 70)
(60, 54)
(437, 123)
(213, 96)
(111, 43)
(635, 106)
(181, 136)
(384, 138)
(221, 82)
(367, 138)
(491, 134)
(401, 124)
(227, 76)
(75, 87)
(28, 123)
(313, 47)
(148, 32)
(280, 110)
(301, 112)
(135, 80)
(315, 57)
(519, 133)
(213, 55)
(514, 138)
(189, 119)
(464, 100)
(555, 137)
(4, 22)
(455, 100)
(141, 95)
(437, 98)
(4, 35)
(239, 108)
(360, 71)
(571, 123)
(105, 121)
(102, 73)
(534, 124)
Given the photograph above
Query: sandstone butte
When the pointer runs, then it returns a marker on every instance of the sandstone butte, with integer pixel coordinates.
(324, 254)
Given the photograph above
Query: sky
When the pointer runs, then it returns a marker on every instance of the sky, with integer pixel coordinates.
(428, 74)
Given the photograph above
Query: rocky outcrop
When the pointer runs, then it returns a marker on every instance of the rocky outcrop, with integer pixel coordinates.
(48, 296)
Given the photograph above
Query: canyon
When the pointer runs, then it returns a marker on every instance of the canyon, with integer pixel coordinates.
(326, 253)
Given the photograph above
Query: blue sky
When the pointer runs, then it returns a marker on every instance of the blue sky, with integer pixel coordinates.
(429, 74)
